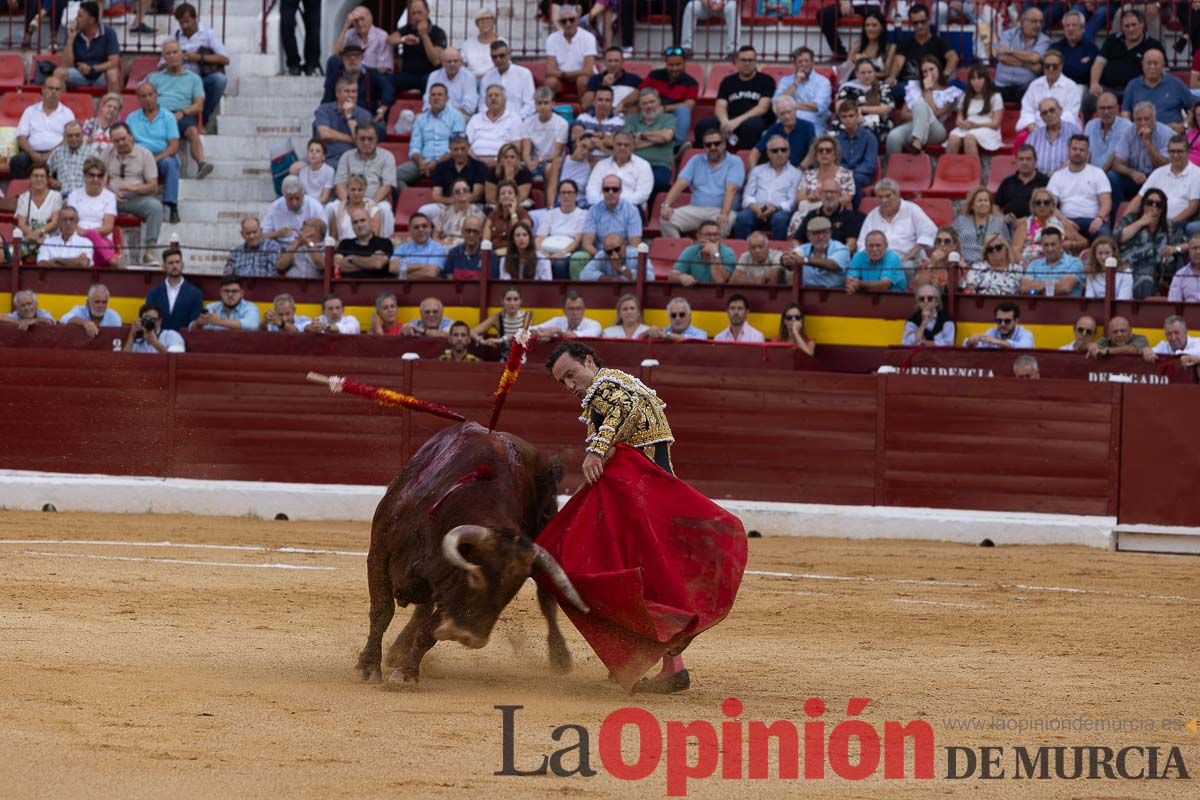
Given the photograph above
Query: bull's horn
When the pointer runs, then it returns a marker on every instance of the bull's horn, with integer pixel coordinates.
(470, 534)
(545, 562)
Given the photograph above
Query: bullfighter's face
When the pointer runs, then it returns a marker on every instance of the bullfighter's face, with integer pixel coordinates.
(576, 376)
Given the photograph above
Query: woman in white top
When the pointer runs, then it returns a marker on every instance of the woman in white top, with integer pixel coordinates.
(37, 210)
(560, 230)
(339, 210)
(979, 116)
(629, 320)
(97, 208)
(477, 50)
(1095, 283)
(521, 261)
(928, 104)
(448, 221)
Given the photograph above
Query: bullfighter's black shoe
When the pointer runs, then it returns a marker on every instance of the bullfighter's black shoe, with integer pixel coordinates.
(666, 684)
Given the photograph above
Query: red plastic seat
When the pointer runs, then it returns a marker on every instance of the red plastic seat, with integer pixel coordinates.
(408, 202)
(83, 105)
(53, 58)
(664, 253)
(696, 71)
(716, 74)
(12, 71)
(914, 173)
(1008, 127)
(13, 105)
(399, 150)
(778, 71)
(1002, 166)
(957, 174)
(653, 226)
(940, 210)
(738, 246)
(139, 68)
(129, 104)
(538, 68)
(641, 68)
(413, 105)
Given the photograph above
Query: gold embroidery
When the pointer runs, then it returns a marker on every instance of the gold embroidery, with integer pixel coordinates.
(630, 412)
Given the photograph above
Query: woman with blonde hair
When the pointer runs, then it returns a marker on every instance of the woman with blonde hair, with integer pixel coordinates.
(508, 168)
(340, 226)
(97, 129)
(629, 320)
(1095, 281)
(822, 163)
(1043, 212)
(997, 273)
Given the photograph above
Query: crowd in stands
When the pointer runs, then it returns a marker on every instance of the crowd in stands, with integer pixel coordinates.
(1103, 193)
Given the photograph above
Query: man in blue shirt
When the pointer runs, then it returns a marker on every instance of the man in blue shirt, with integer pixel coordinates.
(1141, 150)
(799, 133)
(93, 54)
(421, 256)
(1078, 49)
(375, 91)
(1006, 334)
(233, 312)
(715, 177)
(1019, 51)
(155, 128)
(858, 146)
(824, 260)
(618, 262)
(94, 314)
(1056, 272)
(810, 89)
(431, 134)
(613, 215)
(1171, 97)
(876, 268)
(1105, 132)
(335, 123)
(468, 256)
(706, 261)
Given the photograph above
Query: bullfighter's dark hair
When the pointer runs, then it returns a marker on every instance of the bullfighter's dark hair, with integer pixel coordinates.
(576, 350)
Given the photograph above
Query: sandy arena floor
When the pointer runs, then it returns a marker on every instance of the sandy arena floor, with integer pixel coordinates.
(129, 671)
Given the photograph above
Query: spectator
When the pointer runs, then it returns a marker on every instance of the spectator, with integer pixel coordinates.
(40, 128)
(1118, 338)
(375, 92)
(385, 321)
(94, 314)
(706, 261)
(560, 231)
(334, 318)
(460, 339)
(1176, 342)
(875, 268)
(287, 213)
(1095, 281)
(448, 221)
(460, 85)
(811, 90)
(1151, 244)
(601, 121)
(133, 179)
(759, 265)
(204, 54)
(679, 327)
(871, 96)
(637, 178)
(233, 312)
(305, 256)
(1019, 51)
(312, 36)
(1105, 132)
(432, 134)
(1081, 189)
(1120, 59)
(1052, 84)
(66, 162)
(151, 338)
(653, 133)
(617, 262)
(92, 54)
(570, 54)
(1052, 141)
(912, 52)
(576, 167)
(977, 222)
(1007, 334)
(702, 10)
(155, 129)
(937, 269)
(791, 330)
(997, 273)
(422, 52)
(873, 41)
(25, 313)
(181, 93)
(858, 146)
(377, 166)
(1056, 272)
(1170, 96)
(421, 256)
(65, 248)
(614, 215)
(508, 212)
(714, 177)
(629, 323)
(571, 324)
(845, 222)
(799, 134)
(904, 224)
(1078, 50)
(477, 50)
(432, 322)
(340, 226)
(335, 123)
(1015, 191)
(505, 323)
(1185, 284)
(98, 129)
(508, 168)
(1026, 368)
(770, 194)
(928, 326)
(316, 175)
(517, 81)
(1085, 336)
(359, 28)
(824, 260)
(929, 102)
(1179, 180)
(543, 139)
(521, 261)
(282, 317)
(822, 163)
(1027, 240)
(743, 109)
(739, 330)
(624, 84)
(38, 210)
(490, 129)
(467, 257)
(678, 90)
(181, 300)
(255, 257)
(461, 165)
(980, 114)
(97, 209)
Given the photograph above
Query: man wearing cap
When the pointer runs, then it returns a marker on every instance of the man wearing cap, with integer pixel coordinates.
(375, 91)
(823, 259)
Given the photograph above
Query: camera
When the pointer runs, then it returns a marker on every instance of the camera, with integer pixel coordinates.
(149, 323)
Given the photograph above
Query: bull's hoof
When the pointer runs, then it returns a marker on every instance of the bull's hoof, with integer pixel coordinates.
(402, 679)
(665, 684)
(371, 674)
(560, 657)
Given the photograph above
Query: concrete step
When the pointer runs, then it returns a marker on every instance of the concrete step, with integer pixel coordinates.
(258, 188)
(264, 125)
(254, 64)
(295, 105)
(226, 211)
(195, 233)
(257, 169)
(284, 86)
(247, 148)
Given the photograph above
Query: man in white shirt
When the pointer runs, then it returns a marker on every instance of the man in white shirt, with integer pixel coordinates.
(334, 318)
(908, 229)
(460, 84)
(570, 54)
(287, 214)
(516, 80)
(66, 248)
(40, 129)
(1051, 84)
(571, 324)
(1083, 191)
(192, 35)
(739, 330)
(637, 178)
(1179, 180)
(1176, 342)
(145, 338)
(494, 127)
(543, 136)
(770, 194)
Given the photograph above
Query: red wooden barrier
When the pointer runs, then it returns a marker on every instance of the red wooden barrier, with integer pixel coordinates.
(1159, 458)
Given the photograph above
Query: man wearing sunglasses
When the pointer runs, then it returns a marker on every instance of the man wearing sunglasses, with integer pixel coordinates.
(1056, 272)
(678, 90)
(680, 327)
(743, 109)
(1085, 336)
(133, 178)
(770, 194)
(570, 53)
(1006, 335)
(516, 80)
(617, 262)
(1118, 338)
(714, 178)
(1083, 191)
(1052, 83)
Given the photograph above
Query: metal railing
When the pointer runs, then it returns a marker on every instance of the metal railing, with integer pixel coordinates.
(42, 25)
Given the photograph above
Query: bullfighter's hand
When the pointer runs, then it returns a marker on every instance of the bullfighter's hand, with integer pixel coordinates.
(593, 468)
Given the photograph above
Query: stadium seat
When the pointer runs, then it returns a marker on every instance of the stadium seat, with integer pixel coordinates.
(399, 150)
(83, 105)
(13, 105)
(696, 71)
(411, 103)
(538, 68)
(940, 210)
(778, 71)
(914, 173)
(664, 253)
(1003, 165)
(408, 202)
(53, 58)
(716, 74)
(653, 221)
(744, 155)
(957, 174)
(641, 68)
(738, 246)
(1008, 127)
(12, 72)
(129, 104)
(16, 188)
(139, 68)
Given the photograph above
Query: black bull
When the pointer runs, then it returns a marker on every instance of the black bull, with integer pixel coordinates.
(454, 535)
